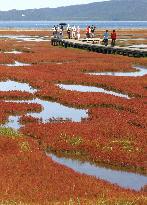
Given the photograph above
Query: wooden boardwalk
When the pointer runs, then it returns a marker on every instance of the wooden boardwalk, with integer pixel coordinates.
(95, 46)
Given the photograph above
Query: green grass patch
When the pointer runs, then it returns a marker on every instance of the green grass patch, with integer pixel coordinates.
(72, 140)
(9, 132)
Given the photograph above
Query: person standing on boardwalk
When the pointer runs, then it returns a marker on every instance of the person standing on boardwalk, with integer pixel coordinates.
(58, 31)
(69, 31)
(92, 31)
(54, 29)
(106, 37)
(113, 38)
(78, 32)
(73, 32)
(88, 32)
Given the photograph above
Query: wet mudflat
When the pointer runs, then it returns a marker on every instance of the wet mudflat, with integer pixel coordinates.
(25, 38)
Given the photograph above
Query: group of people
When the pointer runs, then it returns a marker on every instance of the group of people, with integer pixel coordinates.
(58, 31)
(90, 30)
(90, 33)
(74, 33)
(106, 38)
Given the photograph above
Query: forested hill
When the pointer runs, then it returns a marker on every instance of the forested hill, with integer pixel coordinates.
(113, 10)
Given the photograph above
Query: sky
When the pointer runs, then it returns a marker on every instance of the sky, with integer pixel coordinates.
(31, 4)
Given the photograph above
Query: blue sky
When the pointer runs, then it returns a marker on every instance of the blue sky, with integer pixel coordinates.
(29, 4)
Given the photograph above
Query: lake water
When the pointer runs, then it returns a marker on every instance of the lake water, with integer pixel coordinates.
(82, 24)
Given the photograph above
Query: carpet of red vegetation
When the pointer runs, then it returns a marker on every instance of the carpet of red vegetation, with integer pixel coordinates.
(114, 134)
(15, 95)
(28, 175)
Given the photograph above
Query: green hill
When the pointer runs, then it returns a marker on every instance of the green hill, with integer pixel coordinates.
(114, 10)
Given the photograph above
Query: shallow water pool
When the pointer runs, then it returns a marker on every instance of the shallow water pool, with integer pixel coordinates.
(139, 71)
(82, 88)
(16, 64)
(122, 178)
(11, 85)
(51, 111)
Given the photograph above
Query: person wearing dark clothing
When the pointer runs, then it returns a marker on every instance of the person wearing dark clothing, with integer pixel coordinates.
(113, 38)
(61, 27)
(69, 31)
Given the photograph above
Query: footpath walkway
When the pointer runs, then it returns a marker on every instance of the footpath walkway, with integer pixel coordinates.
(95, 46)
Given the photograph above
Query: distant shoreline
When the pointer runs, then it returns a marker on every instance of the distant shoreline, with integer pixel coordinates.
(50, 30)
(46, 25)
